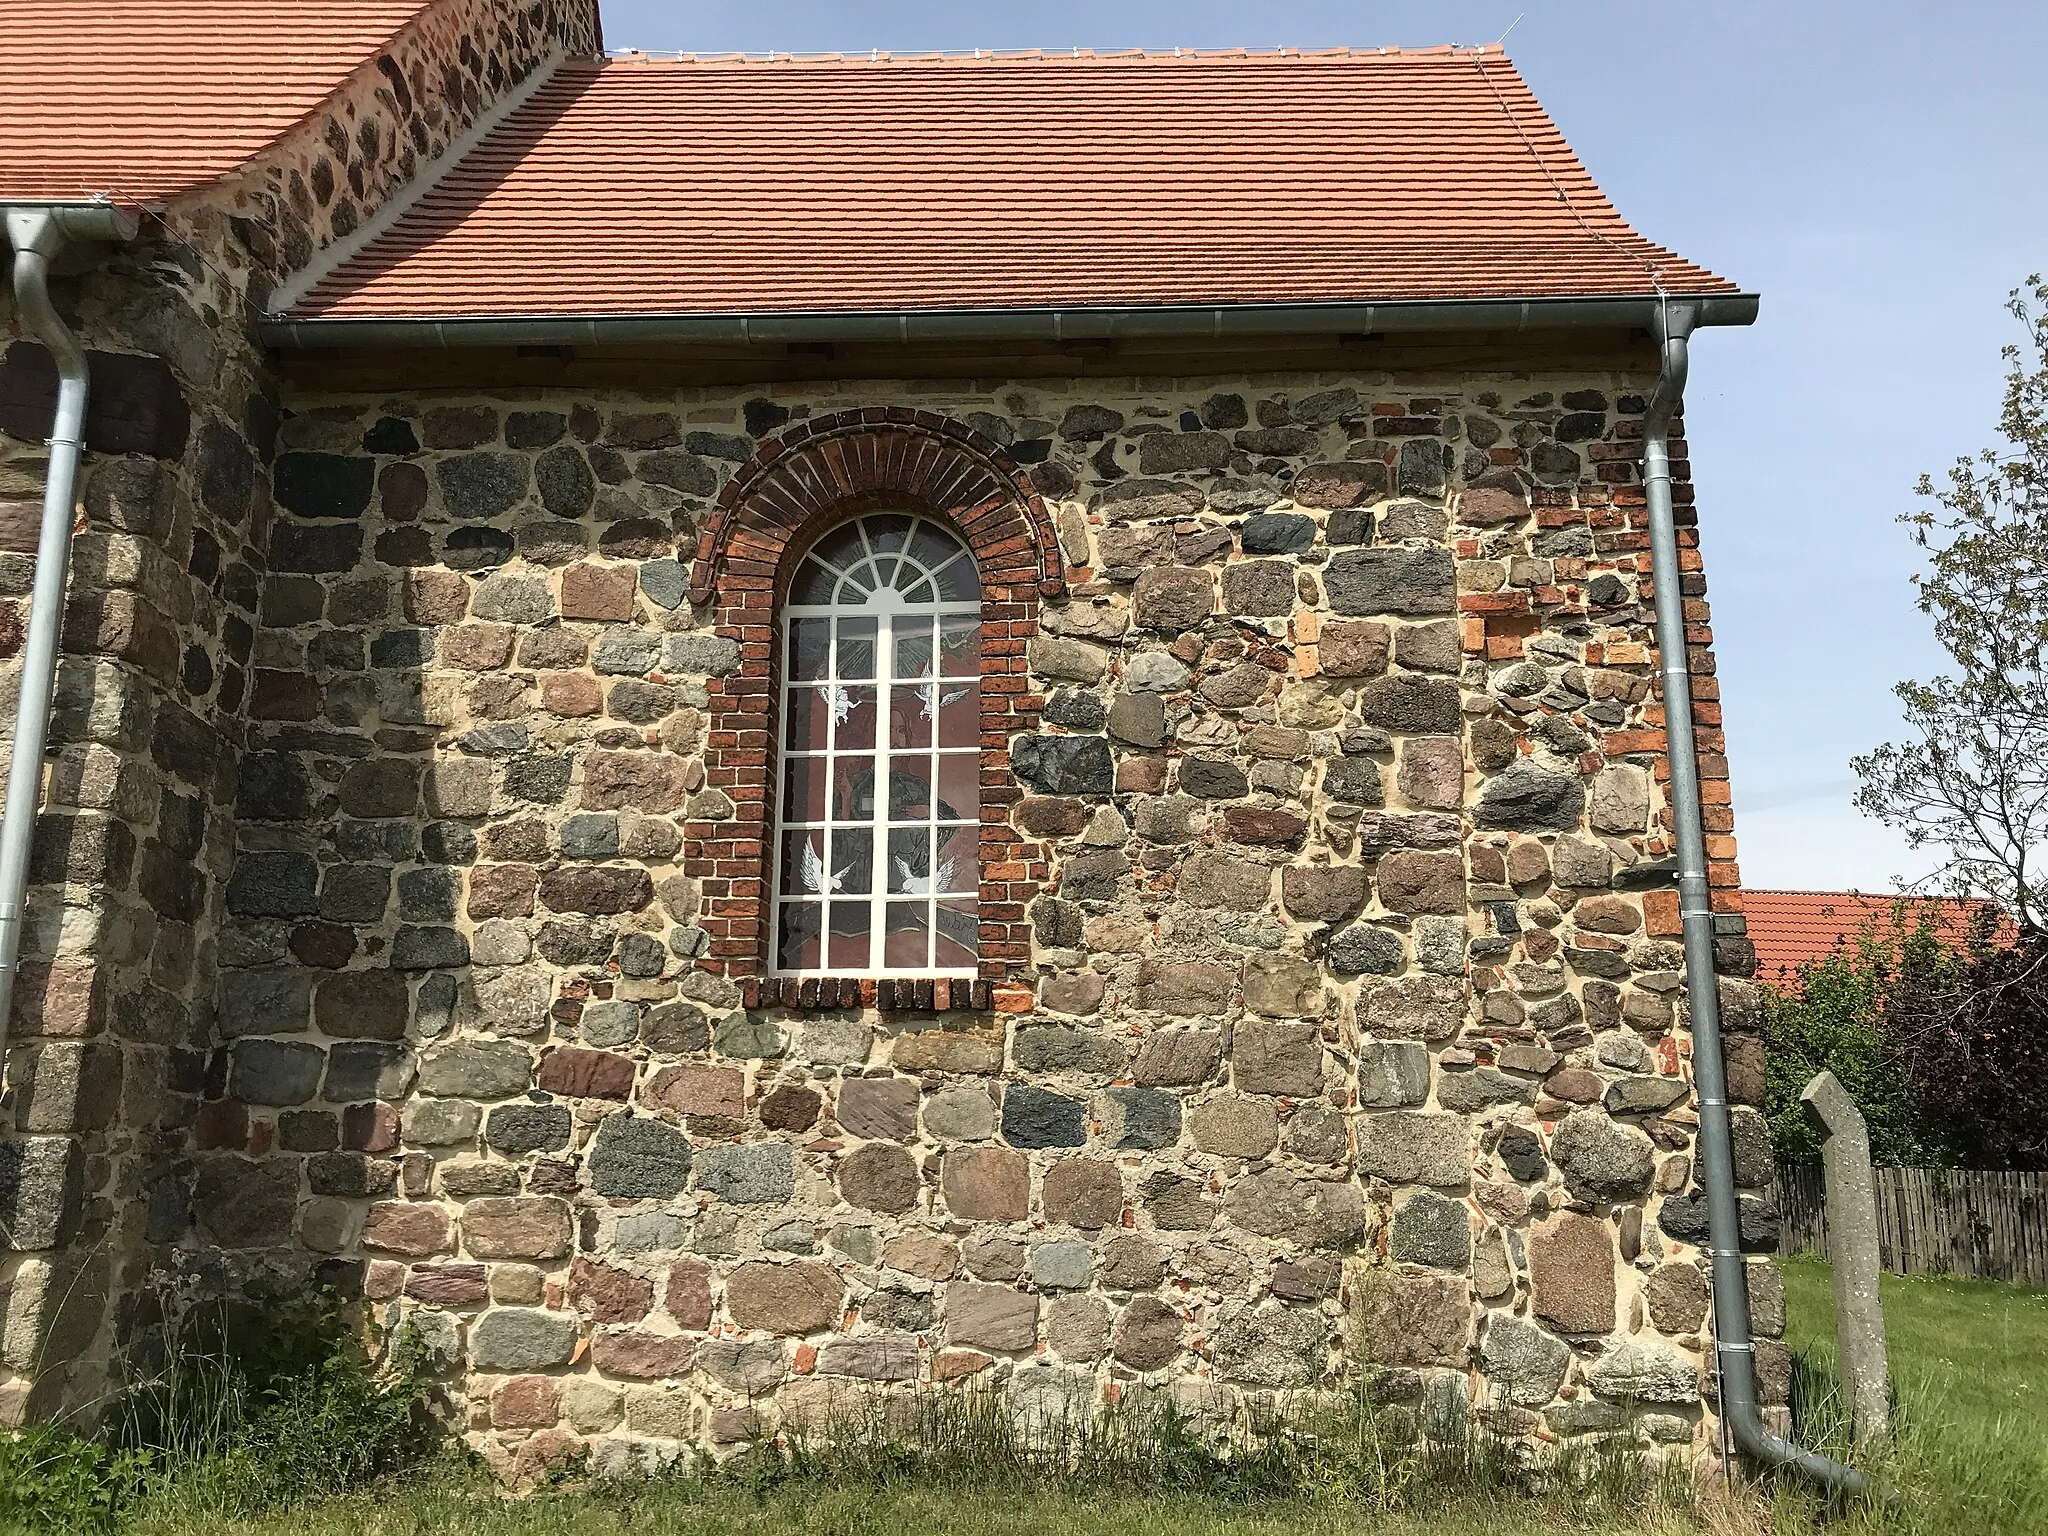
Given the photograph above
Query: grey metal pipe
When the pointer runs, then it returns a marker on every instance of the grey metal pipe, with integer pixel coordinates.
(1735, 1350)
(39, 233)
(1211, 321)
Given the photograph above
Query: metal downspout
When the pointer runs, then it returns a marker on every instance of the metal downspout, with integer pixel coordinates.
(1735, 1350)
(39, 233)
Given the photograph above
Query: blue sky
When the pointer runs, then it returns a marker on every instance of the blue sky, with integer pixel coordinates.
(1874, 170)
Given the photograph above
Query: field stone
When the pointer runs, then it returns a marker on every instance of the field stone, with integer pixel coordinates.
(1146, 1119)
(633, 1157)
(1523, 1362)
(1173, 598)
(1273, 1346)
(1034, 1117)
(786, 1299)
(1602, 1159)
(1430, 1229)
(877, 1108)
(1631, 1371)
(1392, 1074)
(1413, 1147)
(756, 1173)
(879, 1177)
(519, 1339)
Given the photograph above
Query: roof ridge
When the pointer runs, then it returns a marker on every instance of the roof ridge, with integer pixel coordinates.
(1435, 53)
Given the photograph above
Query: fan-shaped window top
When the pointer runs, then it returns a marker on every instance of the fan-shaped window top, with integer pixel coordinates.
(879, 804)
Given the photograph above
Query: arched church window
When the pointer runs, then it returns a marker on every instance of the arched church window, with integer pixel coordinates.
(878, 809)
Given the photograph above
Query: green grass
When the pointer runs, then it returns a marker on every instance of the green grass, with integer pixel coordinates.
(457, 1506)
(1969, 1361)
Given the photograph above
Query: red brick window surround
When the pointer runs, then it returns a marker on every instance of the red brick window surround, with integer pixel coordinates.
(797, 488)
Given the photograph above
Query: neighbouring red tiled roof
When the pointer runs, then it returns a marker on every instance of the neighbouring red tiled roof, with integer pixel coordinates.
(1790, 928)
(709, 185)
(144, 99)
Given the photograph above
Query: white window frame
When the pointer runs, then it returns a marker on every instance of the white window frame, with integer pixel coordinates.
(885, 605)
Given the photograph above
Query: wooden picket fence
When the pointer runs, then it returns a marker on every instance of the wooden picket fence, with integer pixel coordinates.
(1934, 1221)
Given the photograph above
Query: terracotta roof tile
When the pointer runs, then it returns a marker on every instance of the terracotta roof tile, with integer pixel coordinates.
(143, 99)
(1790, 928)
(1009, 181)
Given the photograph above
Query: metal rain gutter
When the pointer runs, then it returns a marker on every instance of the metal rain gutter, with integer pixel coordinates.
(1735, 1350)
(1215, 322)
(40, 233)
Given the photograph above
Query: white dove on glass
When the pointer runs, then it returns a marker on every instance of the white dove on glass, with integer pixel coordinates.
(815, 878)
(924, 885)
(839, 699)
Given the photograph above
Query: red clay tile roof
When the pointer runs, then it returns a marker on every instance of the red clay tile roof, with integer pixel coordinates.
(143, 99)
(1790, 928)
(642, 186)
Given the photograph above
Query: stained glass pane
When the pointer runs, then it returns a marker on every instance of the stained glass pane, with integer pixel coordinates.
(959, 868)
(803, 863)
(853, 789)
(856, 649)
(796, 937)
(810, 649)
(957, 583)
(959, 714)
(840, 547)
(910, 716)
(960, 645)
(959, 787)
(814, 584)
(910, 787)
(957, 941)
(913, 646)
(809, 723)
(887, 532)
(854, 708)
(910, 861)
(803, 789)
(853, 861)
(850, 945)
(907, 937)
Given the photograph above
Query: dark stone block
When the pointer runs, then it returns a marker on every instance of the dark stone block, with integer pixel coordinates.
(448, 842)
(720, 445)
(1213, 778)
(1683, 1218)
(633, 1158)
(274, 885)
(403, 648)
(1220, 413)
(1416, 706)
(355, 893)
(135, 405)
(42, 1190)
(1092, 876)
(764, 416)
(391, 438)
(1064, 765)
(265, 1002)
(366, 1069)
(469, 549)
(1151, 1119)
(1393, 580)
(1521, 1153)
(480, 485)
(539, 780)
(185, 745)
(323, 484)
(1349, 525)
(1526, 798)
(1277, 533)
(428, 895)
(277, 1072)
(1033, 1117)
(1076, 710)
(1422, 466)
(309, 1130)
(534, 429)
(1367, 950)
(315, 548)
(88, 849)
(516, 1128)
(567, 487)
(428, 949)
(679, 471)
(244, 1204)
(226, 473)
(1355, 781)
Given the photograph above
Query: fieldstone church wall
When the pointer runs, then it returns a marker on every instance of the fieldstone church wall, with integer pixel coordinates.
(1349, 1033)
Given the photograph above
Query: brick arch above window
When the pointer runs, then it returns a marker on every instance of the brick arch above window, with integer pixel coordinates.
(880, 456)
(797, 486)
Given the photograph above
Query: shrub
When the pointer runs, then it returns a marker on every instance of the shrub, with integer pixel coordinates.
(52, 1479)
(260, 1407)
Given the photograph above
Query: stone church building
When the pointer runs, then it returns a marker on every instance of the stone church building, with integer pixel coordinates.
(744, 732)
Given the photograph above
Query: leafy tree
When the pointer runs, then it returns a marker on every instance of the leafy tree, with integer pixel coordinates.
(1832, 1017)
(1972, 782)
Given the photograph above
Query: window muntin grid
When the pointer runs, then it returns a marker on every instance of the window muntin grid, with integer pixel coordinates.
(881, 686)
